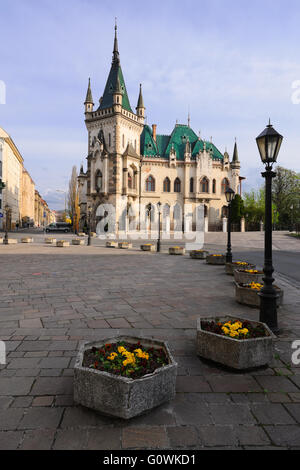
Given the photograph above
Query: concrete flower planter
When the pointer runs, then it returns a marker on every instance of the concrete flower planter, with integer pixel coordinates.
(148, 247)
(125, 245)
(26, 240)
(235, 353)
(93, 234)
(121, 396)
(218, 260)
(230, 267)
(198, 254)
(1, 240)
(50, 241)
(176, 250)
(81, 234)
(111, 244)
(10, 241)
(247, 296)
(245, 278)
(62, 243)
(77, 241)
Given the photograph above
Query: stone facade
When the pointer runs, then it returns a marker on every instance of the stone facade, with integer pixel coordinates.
(129, 165)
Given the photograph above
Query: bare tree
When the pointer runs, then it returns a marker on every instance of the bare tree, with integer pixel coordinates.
(73, 199)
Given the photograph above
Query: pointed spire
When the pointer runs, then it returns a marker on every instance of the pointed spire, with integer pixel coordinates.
(116, 58)
(235, 157)
(118, 88)
(89, 97)
(140, 103)
(189, 118)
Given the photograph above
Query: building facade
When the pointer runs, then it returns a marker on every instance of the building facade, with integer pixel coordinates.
(20, 203)
(130, 165)
(11, 167)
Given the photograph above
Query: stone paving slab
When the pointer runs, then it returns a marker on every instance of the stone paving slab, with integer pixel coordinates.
(48, 307)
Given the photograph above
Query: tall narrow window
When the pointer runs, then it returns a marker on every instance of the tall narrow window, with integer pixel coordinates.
(177, 186)
(123, 140)
(129, 181)
(150, 183)
(214, 187)
(167, 185)
(191, 185)
(98, 181)
(224, 185)
(109, 140)
(204, 185)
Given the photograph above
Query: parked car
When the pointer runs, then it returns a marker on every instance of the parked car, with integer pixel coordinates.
(59, 227)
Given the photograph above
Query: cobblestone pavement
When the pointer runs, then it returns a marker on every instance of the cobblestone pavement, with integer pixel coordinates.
(52, 298)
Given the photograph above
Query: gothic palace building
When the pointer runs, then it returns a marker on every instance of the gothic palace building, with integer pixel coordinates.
(129, 161)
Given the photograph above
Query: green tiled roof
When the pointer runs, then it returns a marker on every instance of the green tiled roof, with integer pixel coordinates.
(111, 86)
(115, 81)
(177, 140)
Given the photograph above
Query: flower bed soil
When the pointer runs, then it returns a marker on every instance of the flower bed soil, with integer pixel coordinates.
(97, 358)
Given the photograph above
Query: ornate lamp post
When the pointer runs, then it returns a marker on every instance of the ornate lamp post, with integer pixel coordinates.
(89, 227)
(158, 240)
(229, 193)
(269, 143)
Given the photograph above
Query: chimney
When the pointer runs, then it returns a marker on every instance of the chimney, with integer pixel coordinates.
(154, 131)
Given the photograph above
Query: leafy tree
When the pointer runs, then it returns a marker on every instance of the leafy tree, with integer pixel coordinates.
(237, 209)
(286, 196)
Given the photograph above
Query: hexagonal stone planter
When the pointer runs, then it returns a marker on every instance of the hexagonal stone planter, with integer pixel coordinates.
(62, 243)
(125, 245)
(77, 241)
(50, 241)
(246, 296)
(148, 247)
(235, 353)
(199, 254)
(26, 240)
(10, 241)
(120, 396)
(216, 259)
(230, 267)
(241, 277)
(111, 244)
(176, 250)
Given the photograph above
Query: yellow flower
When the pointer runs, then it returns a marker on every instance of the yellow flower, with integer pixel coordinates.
(121, 349)
(112, 356)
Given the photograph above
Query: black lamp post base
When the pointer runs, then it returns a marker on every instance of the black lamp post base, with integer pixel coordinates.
(268, 310)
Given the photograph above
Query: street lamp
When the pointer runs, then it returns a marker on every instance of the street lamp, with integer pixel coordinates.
(158, 240)
(269, 143)
(7, 210)
(229, 194)
(89, 228)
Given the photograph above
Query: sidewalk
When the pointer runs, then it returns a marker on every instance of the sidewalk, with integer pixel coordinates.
(51, 300)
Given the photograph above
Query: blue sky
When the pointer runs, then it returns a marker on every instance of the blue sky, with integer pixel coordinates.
(232, 63)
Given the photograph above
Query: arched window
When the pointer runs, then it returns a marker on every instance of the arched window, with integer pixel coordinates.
(177, 186)
(204, 185)
(191, 185)
(167, 185)
(129, 181)
(214, 186)
(205, 211)
(225, 185)
(98, 181)
(150, 183)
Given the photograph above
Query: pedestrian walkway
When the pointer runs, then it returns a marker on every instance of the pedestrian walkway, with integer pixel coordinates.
(51, 299)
